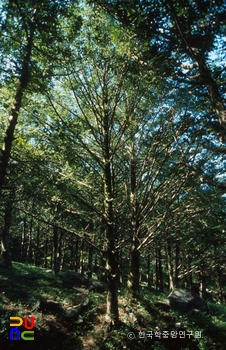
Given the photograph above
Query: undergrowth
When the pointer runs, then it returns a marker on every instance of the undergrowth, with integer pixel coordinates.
(23, 286)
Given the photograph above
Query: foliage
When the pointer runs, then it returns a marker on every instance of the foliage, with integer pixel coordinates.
(113, 162)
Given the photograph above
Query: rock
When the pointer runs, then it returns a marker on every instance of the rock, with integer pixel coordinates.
(195, 312)
(98, 286)
(195, 288)
(81, 290)
(80, 281)
(178, 325)
(28, 276)
(185, 301)
(75, 278)
(209, 296)
(132, 318)
(86, 302)
(163, 305)
(50, 306)
(79, 320)
(74, 312)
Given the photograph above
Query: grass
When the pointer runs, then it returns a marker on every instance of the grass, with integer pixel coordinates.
(23, 287)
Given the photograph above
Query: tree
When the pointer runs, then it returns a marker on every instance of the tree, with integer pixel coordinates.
(111, 159)
(182, 36)
(93, 116)
(24, 59)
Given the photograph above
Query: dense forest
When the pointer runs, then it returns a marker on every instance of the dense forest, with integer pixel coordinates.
(113, 155)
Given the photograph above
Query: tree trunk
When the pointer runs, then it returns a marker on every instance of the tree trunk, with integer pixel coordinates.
(101, 273)
(37, 247)
(149, 277)
(170, 266)
(77, 255)
(62, 251)
(121, 267)
(55, 251)
(134, 273)
(156, 270)
(177, 257)
(161, 284)
(111, 272)
(72, 255)
(188, 278)
(81, 265)
(220, 283)
(203, 279)
(5, 236)
(112, 296)
(46, 253)
(111, 254)
(24, 241)
(22, 86)
(90, 262)
(30, 249)
(159, 273)
(51, 258)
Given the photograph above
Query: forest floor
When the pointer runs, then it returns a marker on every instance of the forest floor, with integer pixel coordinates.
(25, 290)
